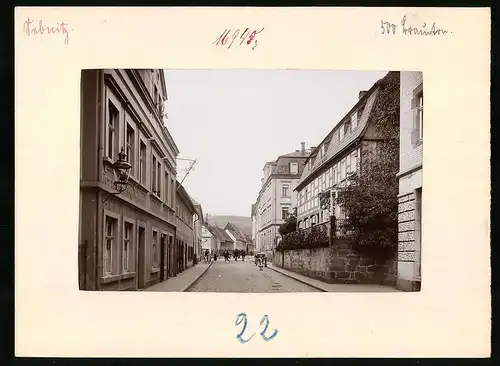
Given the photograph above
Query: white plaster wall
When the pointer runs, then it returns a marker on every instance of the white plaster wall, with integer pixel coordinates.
(408, 155)
(410, 182)
(406, 270)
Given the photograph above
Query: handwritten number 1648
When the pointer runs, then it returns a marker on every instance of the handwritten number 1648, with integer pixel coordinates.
(242, 318)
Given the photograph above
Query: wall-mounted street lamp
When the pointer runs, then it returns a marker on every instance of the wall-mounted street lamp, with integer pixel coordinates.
(121, 172)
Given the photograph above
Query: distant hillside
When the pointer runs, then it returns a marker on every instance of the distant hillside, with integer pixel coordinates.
(245, 223)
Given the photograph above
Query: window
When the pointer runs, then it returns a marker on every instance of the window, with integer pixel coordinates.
(354, 120)
(158, 179)
(109, 244)
(417, 102)
(142, 163)
(167, 196)
(310, 164)
(130, 147)
(285, 192)
(153, 176)
(172, 192)
(155, 96)
(294, 168)
(354, 161)
(348, 164)
(341, 131)
(420, 113)
(127, 247)
(347, 127)
(154, 250)
(342, 169)
(284, 212)
(113, 116)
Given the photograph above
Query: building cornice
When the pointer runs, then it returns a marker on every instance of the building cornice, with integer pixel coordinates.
(409, 171)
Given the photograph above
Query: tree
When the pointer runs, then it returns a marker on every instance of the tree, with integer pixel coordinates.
(370, 197)
(290, 224)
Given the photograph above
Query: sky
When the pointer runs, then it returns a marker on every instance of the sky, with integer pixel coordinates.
(234, 121)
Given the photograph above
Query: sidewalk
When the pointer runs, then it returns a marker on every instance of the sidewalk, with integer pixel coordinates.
(183, 280)
(331, 287)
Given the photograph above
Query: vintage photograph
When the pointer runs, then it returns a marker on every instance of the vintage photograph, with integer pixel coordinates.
(250, 181)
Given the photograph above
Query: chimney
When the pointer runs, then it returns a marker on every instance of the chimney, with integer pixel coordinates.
(312, 148)
(362, 93)
(303, 147)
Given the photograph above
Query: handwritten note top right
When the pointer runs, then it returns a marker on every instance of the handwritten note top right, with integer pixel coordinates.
(404, 27)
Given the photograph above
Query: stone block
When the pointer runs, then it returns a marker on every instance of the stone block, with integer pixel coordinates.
(406, 206)
(376, 268)
(406, 246)
(352, 266)
(403, 199)
(359, 275)
(341, 274)
(406, 216)
(366, 261)
(406, 226)
(406, 256)
(406, 236)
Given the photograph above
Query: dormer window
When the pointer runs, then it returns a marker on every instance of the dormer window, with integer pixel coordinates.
(347, 127)
(341, 133)
(310, 164)
(294, 168)
(354, 120)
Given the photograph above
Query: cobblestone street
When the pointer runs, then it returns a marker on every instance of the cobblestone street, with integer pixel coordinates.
(244, 276)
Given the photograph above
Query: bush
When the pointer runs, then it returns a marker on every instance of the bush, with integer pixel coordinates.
(316, 237)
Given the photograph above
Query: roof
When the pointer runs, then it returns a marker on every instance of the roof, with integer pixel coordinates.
(236, 232)
(181, 191)
(296, 154)
(366, 103)
(198, 207)
(219, 233)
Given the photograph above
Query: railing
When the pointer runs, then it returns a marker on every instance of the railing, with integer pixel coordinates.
(322, 228)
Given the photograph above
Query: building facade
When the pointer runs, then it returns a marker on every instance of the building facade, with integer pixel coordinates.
(223, 241)
(198, 224)
(126, 239)
(335, 158)
(209, 239)
(276, 197)
(254, 227)
(410, 181)
(241, 240)
(185, 240)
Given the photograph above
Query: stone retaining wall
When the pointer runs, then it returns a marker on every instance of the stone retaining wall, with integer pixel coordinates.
(338, 264)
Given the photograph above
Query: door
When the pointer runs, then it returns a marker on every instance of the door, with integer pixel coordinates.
(162, 257)
(169, 255)
(141, 257)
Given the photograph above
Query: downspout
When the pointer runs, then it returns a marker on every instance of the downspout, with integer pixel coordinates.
(99, 218)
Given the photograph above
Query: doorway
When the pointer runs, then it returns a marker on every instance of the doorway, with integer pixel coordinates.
(141, 257)
(163, 243)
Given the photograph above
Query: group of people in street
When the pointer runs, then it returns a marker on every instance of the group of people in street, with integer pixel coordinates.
(227, 254)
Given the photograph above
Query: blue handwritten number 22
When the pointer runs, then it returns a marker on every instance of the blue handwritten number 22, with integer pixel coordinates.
(242, 317)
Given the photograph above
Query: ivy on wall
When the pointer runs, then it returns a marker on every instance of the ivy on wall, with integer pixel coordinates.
(370, 200)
